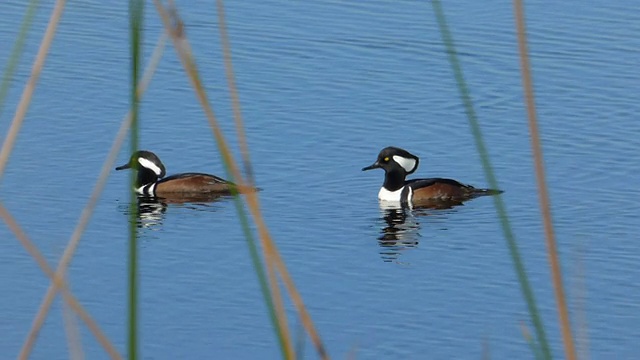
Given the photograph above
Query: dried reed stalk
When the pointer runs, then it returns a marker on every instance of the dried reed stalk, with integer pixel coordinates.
(545, 205)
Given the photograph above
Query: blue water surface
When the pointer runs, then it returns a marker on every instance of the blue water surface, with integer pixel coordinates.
(323, 87)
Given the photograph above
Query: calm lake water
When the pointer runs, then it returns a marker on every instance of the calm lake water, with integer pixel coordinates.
(324, 86)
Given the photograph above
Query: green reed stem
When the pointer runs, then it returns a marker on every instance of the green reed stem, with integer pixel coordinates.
(251, 243)
(194, 75)
(248, 235)
(136, 8)
(525, 287)
(259, 268)
(543, 193)
(535, 348)
(16, 52)
(255, 255)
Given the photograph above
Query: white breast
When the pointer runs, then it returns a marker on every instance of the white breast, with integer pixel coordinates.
(386, 195)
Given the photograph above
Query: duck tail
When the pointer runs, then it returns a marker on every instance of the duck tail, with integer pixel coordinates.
(486, 192)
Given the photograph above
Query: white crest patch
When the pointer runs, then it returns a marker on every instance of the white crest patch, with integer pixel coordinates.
(150, 165)
(407, 164)
(386, 195)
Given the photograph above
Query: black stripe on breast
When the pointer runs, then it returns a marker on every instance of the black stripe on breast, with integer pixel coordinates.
(406, 192)
(149, 189)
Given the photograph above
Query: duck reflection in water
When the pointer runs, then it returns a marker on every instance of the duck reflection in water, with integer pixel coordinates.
(401, 228)
(153, 210)
(399, 232)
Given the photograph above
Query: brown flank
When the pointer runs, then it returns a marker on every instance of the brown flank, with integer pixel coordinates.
(443, 191)
(196, 184)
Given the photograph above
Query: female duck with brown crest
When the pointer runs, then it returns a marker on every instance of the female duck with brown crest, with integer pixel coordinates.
(398, 163)
(151, 181)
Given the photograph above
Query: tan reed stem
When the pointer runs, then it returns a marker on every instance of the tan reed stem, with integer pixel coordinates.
(233, 90)
(27, 93)
(545, 206)
(62, 284)
(252, 199)
(88, 210)
(183, 49)
(269, 249)
(74, 340)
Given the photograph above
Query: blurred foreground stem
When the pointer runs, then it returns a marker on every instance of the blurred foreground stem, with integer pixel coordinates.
(525, 287)
(135, 22)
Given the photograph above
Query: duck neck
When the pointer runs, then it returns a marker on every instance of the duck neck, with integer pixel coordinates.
(145, 177)
(394, 180)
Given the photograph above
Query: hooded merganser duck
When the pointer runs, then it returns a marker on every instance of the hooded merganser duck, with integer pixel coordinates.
(151, 181)
(398, 163)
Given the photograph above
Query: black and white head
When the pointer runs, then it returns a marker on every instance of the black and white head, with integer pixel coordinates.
(393, 159)
(147, 164)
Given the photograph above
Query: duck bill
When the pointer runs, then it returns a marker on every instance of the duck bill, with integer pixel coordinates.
(123, 167)
(375, 165)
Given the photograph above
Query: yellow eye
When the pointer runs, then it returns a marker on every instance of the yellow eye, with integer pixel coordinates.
(386, 159)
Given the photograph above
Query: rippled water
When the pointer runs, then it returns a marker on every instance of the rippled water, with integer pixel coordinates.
(324, 86)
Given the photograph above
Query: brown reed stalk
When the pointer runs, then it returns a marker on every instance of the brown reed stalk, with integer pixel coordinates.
(233, 90)
(272, 255)
(545, 207)
(305, 317)
(27, 93)
(175, 28)
(61, 282)
(270, 251)
(242, 138)
(74, 341)
(89, 208)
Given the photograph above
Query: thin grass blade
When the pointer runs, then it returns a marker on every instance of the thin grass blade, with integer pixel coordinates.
(27, 93)
(60, 282)
(543, 193)
(270, 251)
(269, 248)
(175, 28)
(74, 340)
(233, 90)
(465, 94)
(535, 348)
(16, 51)
(136, 13)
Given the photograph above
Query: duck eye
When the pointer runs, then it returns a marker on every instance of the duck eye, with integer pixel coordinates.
(386, 159)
